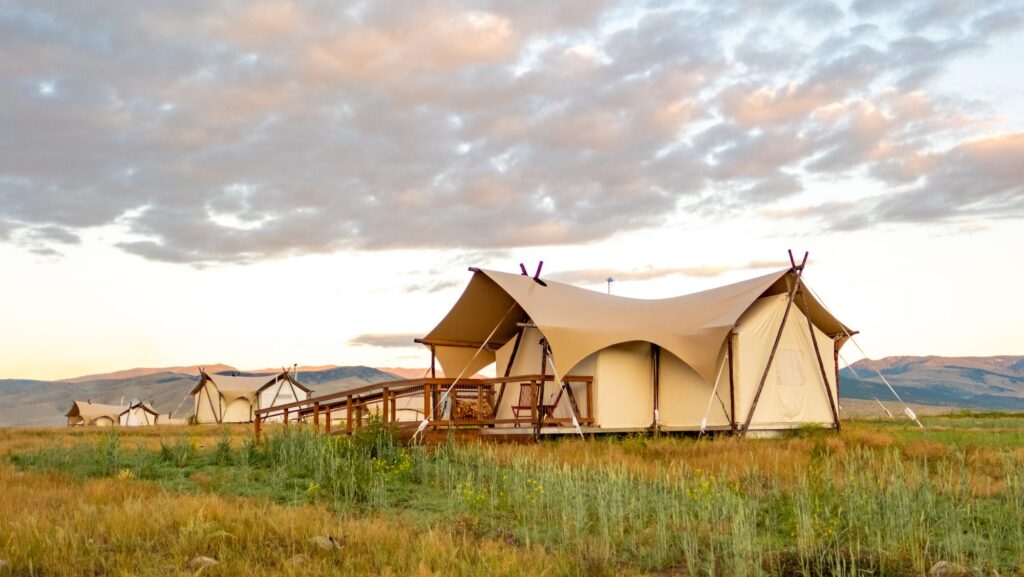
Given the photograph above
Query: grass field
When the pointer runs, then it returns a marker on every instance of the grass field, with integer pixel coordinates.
(880, 498)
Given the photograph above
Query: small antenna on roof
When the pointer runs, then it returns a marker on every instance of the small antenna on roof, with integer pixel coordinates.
(609, 280)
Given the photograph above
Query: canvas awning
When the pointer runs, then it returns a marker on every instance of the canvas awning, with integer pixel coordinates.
(578, 322)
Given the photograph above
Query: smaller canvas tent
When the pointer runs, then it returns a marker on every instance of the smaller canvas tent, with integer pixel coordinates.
(234, 399)
(90, 414)
(138, 414)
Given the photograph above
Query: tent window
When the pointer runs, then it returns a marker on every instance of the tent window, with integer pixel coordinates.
(790, 371)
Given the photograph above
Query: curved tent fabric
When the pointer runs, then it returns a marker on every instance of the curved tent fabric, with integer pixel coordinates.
(89, 412)
(243, 387)
(578, 322)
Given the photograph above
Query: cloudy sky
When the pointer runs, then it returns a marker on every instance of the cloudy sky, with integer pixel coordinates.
(262, 183)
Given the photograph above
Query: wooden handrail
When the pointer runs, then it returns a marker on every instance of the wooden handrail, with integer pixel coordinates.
(408, 385)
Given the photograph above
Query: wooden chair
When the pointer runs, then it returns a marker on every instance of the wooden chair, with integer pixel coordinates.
(525, 402)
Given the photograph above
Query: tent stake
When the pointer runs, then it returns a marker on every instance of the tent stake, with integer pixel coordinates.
(798, 271)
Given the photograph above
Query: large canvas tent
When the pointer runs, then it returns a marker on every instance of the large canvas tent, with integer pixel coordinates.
(755, 355)
(233, 399)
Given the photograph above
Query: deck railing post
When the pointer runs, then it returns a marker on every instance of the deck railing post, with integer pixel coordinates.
(316, 416)
(257, 422)
(590, 401)
(384, 406)
(286, 416)
(348, 414)
(327, 424)
(426, 402)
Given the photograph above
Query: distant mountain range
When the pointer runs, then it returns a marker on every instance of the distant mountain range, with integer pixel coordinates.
(25, 402)
(990, 383)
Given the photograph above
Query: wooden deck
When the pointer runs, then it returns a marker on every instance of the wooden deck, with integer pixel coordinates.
(472, 405)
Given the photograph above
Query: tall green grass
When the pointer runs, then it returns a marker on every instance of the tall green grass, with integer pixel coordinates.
(853, 512)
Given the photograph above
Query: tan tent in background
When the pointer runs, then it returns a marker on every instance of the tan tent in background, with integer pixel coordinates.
(138, 414)
(90, 414)
(231, 399)
(743, 349)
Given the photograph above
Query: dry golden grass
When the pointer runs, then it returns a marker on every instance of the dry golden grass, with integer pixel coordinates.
(51, 525)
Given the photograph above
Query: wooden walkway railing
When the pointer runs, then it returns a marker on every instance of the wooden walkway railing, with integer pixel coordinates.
(473, 403)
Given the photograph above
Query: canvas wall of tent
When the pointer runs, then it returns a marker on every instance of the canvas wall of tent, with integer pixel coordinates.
(234, 399)
(760, 354)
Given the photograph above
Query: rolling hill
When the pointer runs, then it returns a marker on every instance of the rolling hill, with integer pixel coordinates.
(990, 383)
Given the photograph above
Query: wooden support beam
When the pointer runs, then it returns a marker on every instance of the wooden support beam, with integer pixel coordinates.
(426, 402)
(835, 346)
(590, 400)
(730, 351)
(433, 362)
(462, 344)
(348, 414)
(797, 271)
(508, 370)
(539, 399)
(656, 378)
(821, 363)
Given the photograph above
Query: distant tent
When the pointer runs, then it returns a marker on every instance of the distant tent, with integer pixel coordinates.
(231, 399)
(138, 414)
(90, 414)
(746, 350)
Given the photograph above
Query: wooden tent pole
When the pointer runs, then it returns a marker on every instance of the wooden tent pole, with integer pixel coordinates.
(775, 346)
(508, 371)
(656, 367)
(821, 363)
(433, 362)
(835, 347)
(732, 384)
(538, 399)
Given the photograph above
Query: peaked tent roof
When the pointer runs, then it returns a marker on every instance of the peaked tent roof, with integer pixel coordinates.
(578, 322)
(143, 405)
(236, 387)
